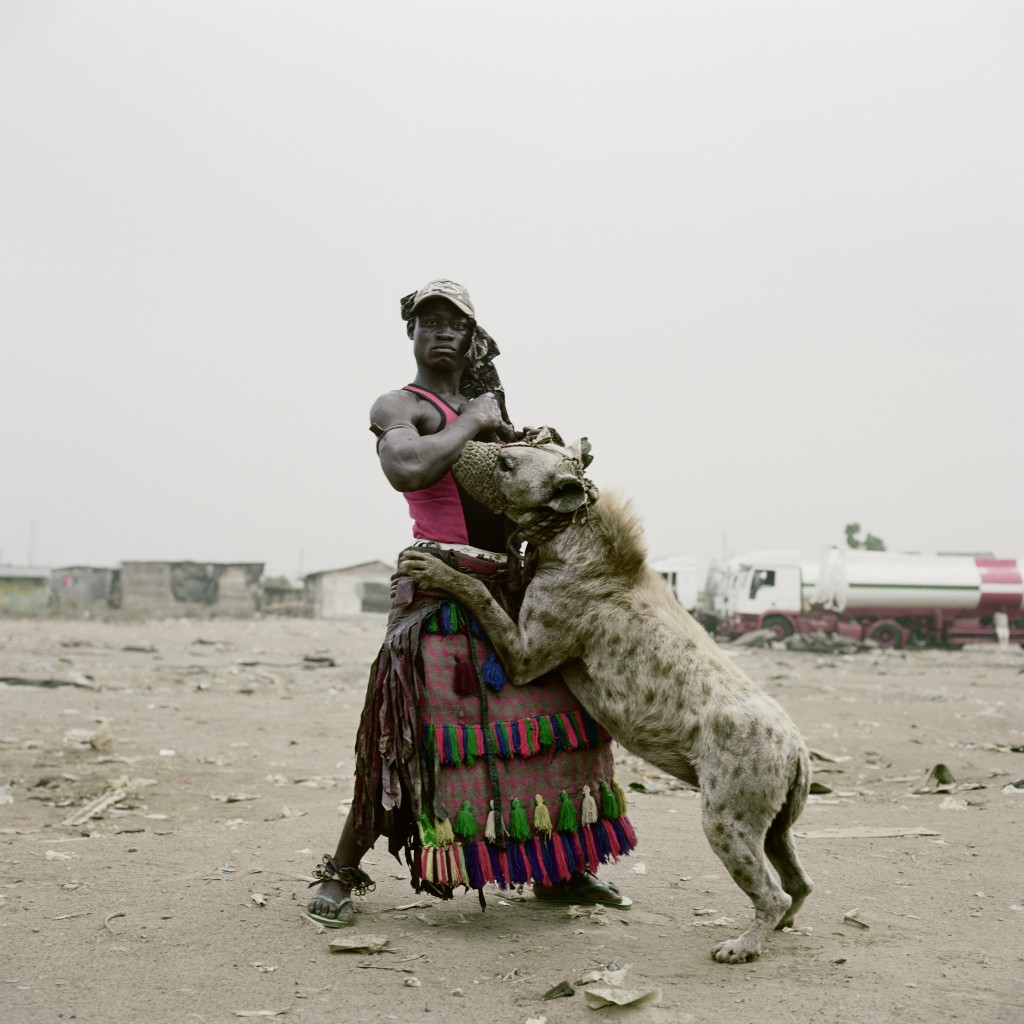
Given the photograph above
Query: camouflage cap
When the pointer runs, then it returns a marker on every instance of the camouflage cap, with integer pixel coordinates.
(444, 289)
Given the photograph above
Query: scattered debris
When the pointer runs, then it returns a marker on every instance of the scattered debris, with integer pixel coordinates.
(1013, 787)
(952, 804)
(112, 917)
(640, 868)
(821, 755)
(318, 661)
(852, 917)
(864, 832)
(562, 989)
(82, 681)
(117, 790)
(260, 1013)
(820, 787)
(413, 982)
(140, 648)
(258, 898)
(608, 995)
(234, 798)
(358, 943)
(5, 795)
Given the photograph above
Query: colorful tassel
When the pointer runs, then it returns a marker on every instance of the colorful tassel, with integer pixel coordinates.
(547, 740)
(588, 812)
(442, 828)
(427, 833)
(494, 673)
(590, 849)
(620, 796)
(464, 681)
(489, 833)
(472, 750)
(541, 816)
(566, 814)
(465, 823)
(560, 846)
(609, 805)
(518, 826)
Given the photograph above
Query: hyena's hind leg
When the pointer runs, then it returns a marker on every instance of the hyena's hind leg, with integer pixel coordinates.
(740, 847)
(781, 851)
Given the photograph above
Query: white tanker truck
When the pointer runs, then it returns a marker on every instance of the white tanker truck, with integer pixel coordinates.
(893, 598)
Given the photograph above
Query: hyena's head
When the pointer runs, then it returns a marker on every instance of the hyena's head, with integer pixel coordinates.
(530, 482)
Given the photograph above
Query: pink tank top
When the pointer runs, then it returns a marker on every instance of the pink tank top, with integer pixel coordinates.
(443, 512)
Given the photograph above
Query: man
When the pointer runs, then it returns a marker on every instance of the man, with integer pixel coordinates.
(447, 758)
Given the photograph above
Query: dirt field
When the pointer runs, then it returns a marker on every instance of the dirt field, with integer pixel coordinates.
(231, 746)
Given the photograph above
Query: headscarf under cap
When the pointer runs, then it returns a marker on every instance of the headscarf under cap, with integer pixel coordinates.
(479, 375)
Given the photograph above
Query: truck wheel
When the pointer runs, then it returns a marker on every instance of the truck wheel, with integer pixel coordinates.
(887, 634)
(780, 626)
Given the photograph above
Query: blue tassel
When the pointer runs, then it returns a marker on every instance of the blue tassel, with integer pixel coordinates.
(474, 627)
(589, 727)
(517, 865)
(499, 874)
(494, 674)
(604, 851)
(558, 731)
(549, 854)
(535, 860)
(472, 854)
(502, 739)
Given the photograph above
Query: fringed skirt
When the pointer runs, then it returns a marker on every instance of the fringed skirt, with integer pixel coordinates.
(477, 780)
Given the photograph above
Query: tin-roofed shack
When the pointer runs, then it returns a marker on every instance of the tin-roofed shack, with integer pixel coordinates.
(190, 588)
(24, 591)
(84, 590)
(335, 593)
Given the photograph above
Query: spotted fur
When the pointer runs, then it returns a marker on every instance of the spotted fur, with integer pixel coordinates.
(648, 672)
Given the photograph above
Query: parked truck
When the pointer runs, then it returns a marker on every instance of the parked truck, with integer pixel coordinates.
(895, 599)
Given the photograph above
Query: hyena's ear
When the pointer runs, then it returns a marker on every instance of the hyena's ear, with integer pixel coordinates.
(581, 449)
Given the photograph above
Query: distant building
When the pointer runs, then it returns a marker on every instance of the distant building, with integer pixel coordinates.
(281, 597)
(84, 590)
(190, 588)
(24, 591)
(335, 593)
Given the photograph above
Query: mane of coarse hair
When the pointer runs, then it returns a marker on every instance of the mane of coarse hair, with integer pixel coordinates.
(620, 532)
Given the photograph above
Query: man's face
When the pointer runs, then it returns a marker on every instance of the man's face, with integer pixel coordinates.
(441, 335)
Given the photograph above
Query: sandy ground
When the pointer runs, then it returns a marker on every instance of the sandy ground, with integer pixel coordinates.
(232, 741)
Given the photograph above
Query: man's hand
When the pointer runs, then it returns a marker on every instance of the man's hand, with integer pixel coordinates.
(484, 411)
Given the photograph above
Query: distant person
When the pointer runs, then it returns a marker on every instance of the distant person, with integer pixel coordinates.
(453, 766)
(1001, 621)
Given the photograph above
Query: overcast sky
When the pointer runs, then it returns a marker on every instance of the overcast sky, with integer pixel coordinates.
(768, 257)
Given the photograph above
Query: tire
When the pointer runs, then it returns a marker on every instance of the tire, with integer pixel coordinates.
(887, 634)
(780, 626)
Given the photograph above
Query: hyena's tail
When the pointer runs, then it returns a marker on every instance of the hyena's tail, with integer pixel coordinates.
(779, 845)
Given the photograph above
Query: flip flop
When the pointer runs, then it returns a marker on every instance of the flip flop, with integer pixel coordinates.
(592, 892)
(333, 922)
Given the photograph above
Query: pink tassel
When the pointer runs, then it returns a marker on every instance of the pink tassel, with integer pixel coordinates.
(588, 841)
(613, 840)
(570, 733)
(486, 870)
(504, 881)
(464, 681)
(564, 874)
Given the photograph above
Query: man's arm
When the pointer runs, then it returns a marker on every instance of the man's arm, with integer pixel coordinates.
(412, 460)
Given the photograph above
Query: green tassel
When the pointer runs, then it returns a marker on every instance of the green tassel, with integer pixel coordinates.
(518, 824)
(620, 796)
(465, 823)
(547, 737)
(566, 814)
(453, 739)
(472, 753)
(427, 833)
(609, 805)
(431, 624)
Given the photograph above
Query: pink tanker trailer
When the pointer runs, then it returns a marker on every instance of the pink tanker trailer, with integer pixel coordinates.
(893, 598)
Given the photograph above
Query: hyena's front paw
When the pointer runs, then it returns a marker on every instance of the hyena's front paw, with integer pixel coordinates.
(426, 569)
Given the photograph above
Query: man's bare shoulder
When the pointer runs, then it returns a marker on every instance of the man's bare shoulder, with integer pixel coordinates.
(395, 408)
